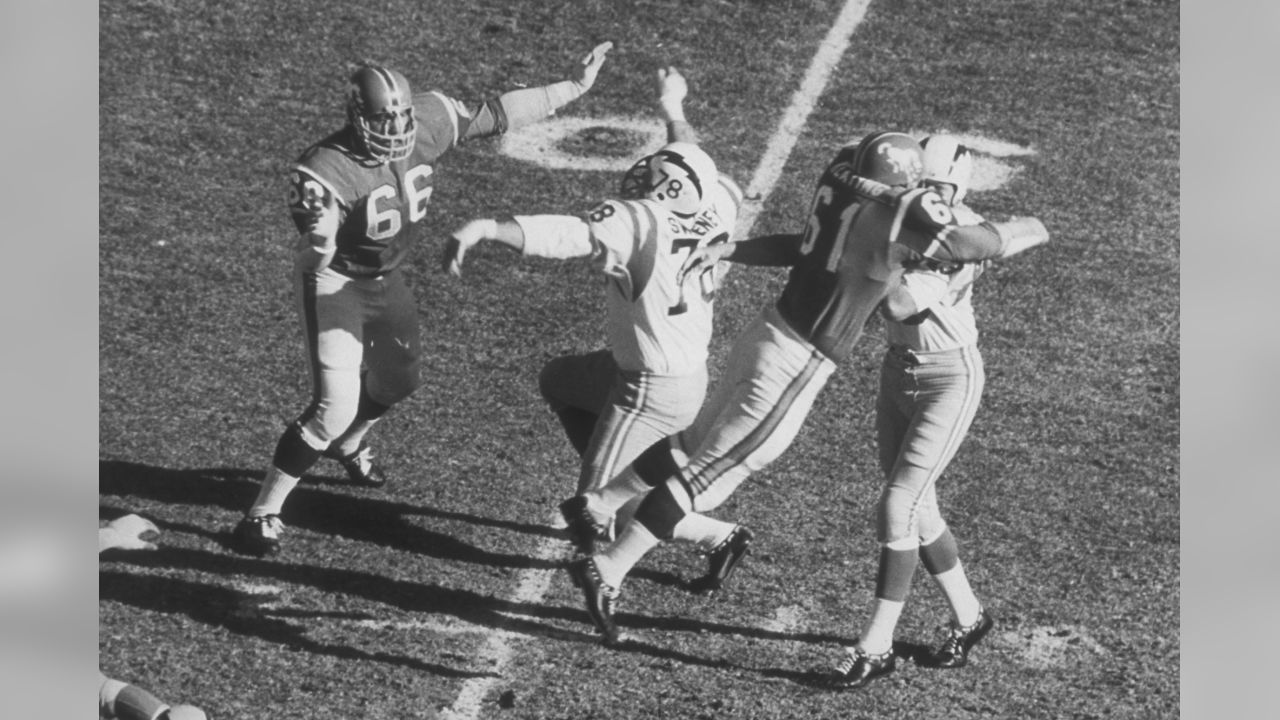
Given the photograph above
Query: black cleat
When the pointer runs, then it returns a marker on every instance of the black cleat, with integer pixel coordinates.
(859, 668)
(258, 536)
(599, 596)
(360, 466)
(954, 651)
(581, 527)
(722, 560)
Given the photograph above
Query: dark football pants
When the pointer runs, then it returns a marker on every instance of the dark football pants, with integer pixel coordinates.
(351, 326)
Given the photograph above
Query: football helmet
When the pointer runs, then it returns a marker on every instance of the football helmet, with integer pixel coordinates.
(380, 108)
(892, 158)
(947, 161)
(680, 176)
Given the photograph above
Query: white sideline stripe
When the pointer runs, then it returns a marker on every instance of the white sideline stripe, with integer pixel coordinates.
(797, 115)
(534, 583)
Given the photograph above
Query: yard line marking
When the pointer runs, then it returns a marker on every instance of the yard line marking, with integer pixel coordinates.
(534, 582)
(497, 650)
(797, 115)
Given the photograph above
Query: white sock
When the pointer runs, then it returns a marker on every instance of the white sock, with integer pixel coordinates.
(877, 634)
(702, 531)
(615, 562)
(954, 584)
(276, 486)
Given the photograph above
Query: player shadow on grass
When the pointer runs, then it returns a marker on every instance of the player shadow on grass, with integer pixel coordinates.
(358, 514)
(240, 614)
(245, 614)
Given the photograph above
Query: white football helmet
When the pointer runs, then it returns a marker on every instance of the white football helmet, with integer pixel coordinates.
(948, 161)
(681, 176)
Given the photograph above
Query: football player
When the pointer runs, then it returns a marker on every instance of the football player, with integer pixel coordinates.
(931, 382)
(651, 380)
(355, 197)
(867, 224)
(117, 698)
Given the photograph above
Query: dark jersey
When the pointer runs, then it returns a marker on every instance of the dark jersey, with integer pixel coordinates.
(854, 249)
(380, 203)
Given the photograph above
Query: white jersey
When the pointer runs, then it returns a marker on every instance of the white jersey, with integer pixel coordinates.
(946, 320)
(654, 326)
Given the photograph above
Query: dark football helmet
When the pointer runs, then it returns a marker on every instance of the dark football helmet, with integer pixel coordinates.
(892, 158)
(380, 108)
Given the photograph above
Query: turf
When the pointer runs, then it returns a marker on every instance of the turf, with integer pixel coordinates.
(1064, 496)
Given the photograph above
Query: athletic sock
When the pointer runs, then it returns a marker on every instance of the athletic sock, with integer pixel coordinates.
(705, 533)
(614, 563)
(272, 493)
(941, 558)
(877, 635)
(954, 584)
(898, 561)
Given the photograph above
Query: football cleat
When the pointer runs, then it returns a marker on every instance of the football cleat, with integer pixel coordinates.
(954, 651)
(582, 527)
(600, 597)
(360, 466)
(859, 668)
(258, 536)
(722, 560)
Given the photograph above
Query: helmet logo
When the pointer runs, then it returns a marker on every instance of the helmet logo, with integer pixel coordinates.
(903, 161)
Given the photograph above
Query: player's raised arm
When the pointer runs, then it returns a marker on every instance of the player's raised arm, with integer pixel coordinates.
(672, 90)
(517, 108)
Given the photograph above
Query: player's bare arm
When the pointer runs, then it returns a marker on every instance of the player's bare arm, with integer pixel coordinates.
(672, 90)
(529, 105)
(765, 250)
(549, 236)
(505, 231)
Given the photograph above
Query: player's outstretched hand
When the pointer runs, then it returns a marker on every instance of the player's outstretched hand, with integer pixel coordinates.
(462, 240)
(131, 532)
(672, 87)
(585, 72)
(703, 258)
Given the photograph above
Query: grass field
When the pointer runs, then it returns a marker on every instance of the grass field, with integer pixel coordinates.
(396, 604)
